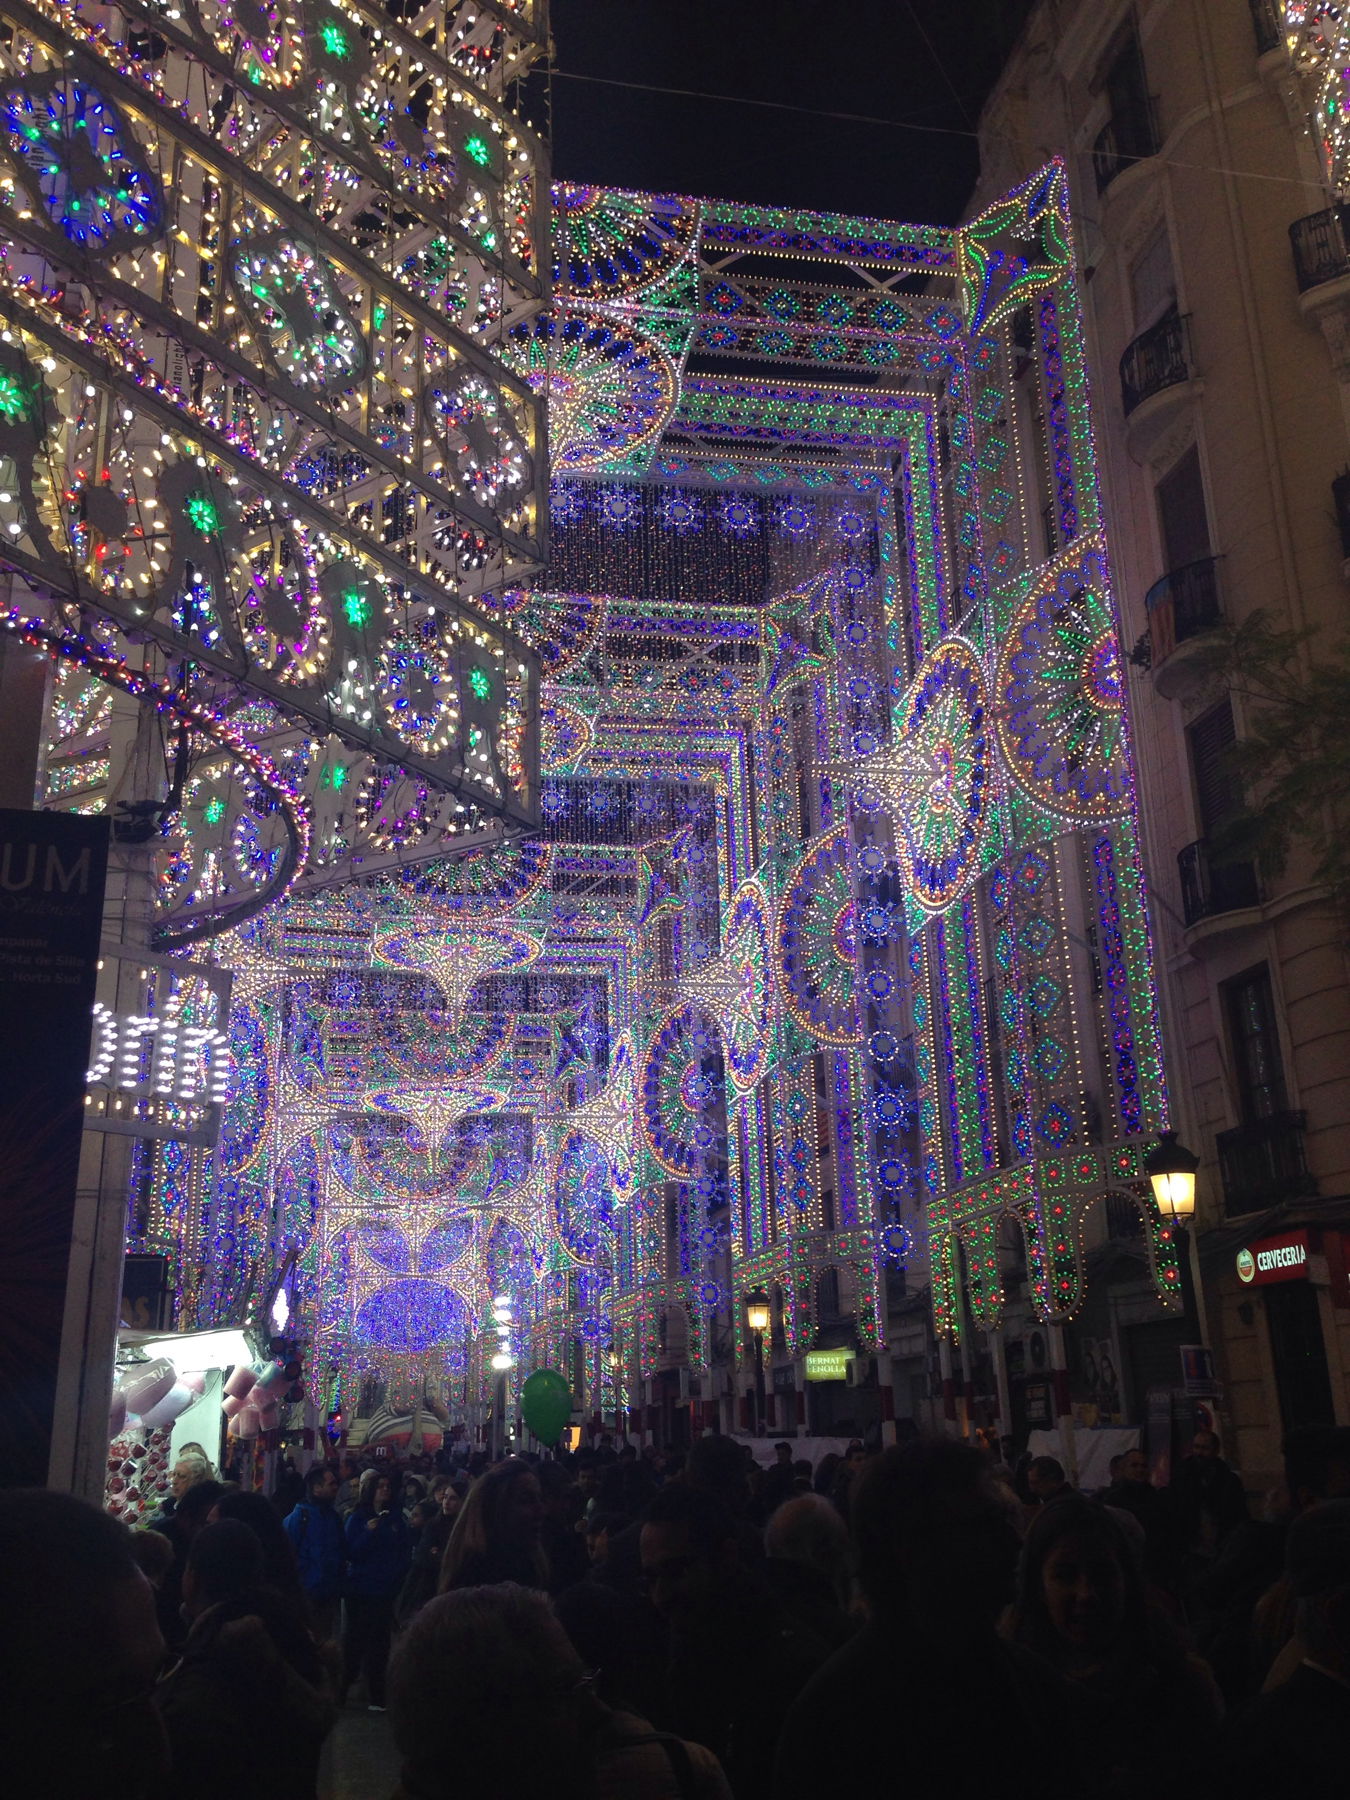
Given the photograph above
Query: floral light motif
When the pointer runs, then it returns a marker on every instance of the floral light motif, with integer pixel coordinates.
(75, 149)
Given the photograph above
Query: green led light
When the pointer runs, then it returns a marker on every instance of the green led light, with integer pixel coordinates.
(356, 607)
(379, 315)
(214, 811)
(334, 40)
(13, 397)
(477, 148)
(335, 777)
(201, 510)
(479, 682)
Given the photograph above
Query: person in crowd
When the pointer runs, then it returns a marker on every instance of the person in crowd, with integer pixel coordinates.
(845, 1476)
(289, 1488)
(187, 1471)
(809, 1566)
(1133, 1492)
(349, 1484)
(247, 1706)
(715, 1603)
(191, 1512)
(1147, 1702)
(79, 1653)
(379, 1551)
(599, 1530)
(280, 1570)
(412, 1492)
(1208, 1503)
(497, 1535)
(826, 1470)
(485, 1685)
(319, 1541)
(154, 1553)
(1046, 1481)
(1295, 1739)
(777, 1482)
(1250, 1597)
(936, 1556)
(563, 1549)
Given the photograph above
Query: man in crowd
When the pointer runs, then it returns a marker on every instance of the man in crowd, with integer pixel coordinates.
(1046, 1481)
(79, 1654)
(315, 1530)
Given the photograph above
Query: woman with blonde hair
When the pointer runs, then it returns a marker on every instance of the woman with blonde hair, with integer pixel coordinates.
(496, 1536)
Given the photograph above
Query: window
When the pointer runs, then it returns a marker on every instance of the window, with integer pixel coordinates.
(1182, 517)
(1257, 1064)
(1126, 83)
(1153, 282)
(1217, 794)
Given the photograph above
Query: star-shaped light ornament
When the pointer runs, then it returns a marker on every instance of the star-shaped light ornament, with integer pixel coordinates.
(437, 1111)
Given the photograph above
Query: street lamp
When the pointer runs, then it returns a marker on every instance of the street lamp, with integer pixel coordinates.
(1171, 1168)
(757, 1319)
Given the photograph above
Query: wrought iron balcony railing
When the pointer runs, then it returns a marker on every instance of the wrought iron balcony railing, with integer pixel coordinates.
(1182, 605)
(1210, 887)
(1262, 1163)
(1158, 358)
(1318, 243)
(1124, 140)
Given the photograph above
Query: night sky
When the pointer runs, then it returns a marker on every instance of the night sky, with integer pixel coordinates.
(927, 64)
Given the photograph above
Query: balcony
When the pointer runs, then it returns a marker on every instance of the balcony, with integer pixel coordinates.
(1157, 380)
(1266, 25)
(1318, 243)
(1262, 1163)
(1121, 143)
(1158, 358)
(1182, 608)
(1210, 887)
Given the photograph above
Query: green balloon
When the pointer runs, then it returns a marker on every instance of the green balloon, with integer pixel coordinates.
(546, 1404)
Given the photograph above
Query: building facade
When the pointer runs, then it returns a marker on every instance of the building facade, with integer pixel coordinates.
(1216, 286)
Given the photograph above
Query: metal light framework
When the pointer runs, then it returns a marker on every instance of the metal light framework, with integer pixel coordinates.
(256, 440)
(832, 942)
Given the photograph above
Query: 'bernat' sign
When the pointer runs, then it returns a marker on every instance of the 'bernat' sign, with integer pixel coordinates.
(1280, 1258)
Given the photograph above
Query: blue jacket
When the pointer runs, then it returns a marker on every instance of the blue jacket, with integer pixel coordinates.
(381, 1558)
(320, 1551)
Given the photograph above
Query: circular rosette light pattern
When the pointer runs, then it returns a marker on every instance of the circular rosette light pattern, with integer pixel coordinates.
(393, 808)
(583, 1196)
(486, 455)
(739, 986)
(817, 941)
(682, 1083)
(299, 311)
(1061, 692)
(609, 389)
(409, 1317)
(561, 627)
(418, 689)
(946, 727)
(618, 243)
(285, 627)
(79, 156)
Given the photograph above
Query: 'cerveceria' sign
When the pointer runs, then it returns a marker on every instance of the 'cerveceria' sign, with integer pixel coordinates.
(1280, 1258)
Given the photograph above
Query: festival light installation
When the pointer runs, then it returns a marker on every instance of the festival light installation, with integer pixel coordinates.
(830, 951)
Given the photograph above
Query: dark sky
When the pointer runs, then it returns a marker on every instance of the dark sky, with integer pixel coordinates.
(927, 63)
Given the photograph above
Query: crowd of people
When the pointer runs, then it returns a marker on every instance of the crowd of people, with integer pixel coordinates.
(690, 1627)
